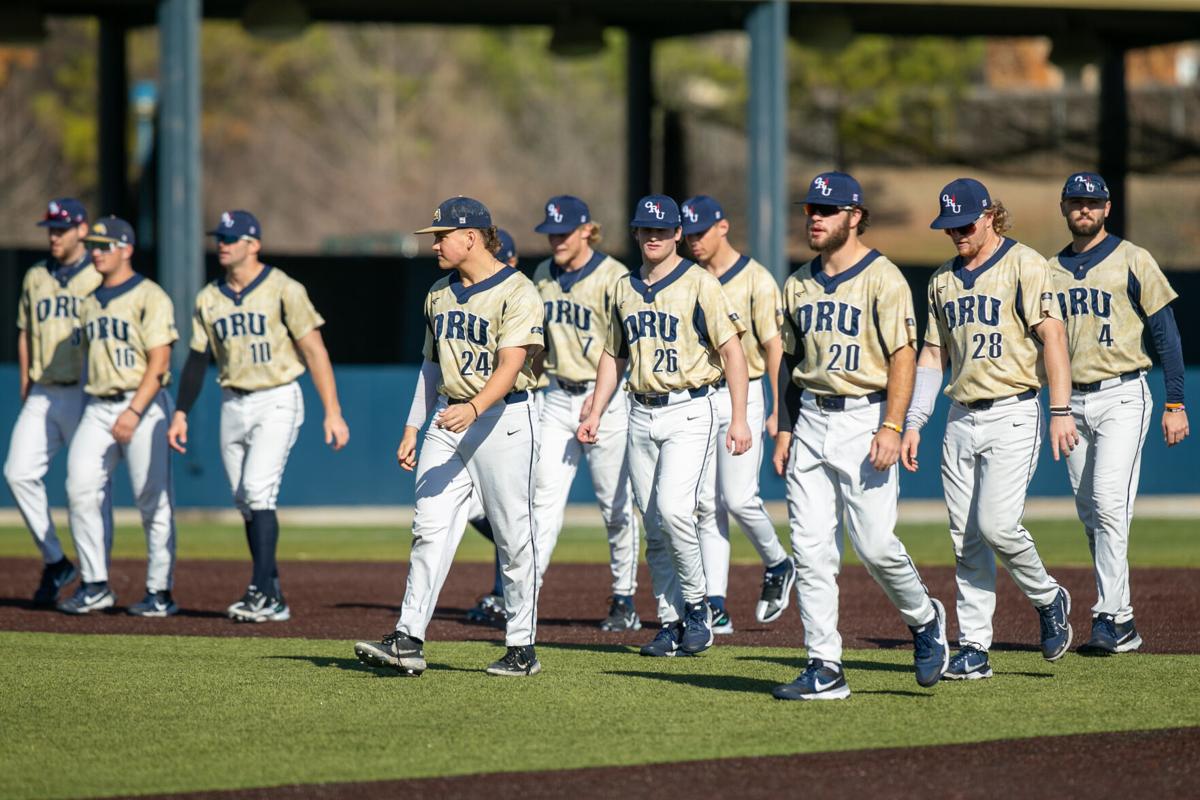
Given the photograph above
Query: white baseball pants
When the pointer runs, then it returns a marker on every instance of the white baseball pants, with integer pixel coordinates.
(258, 430)
(93, 456)
(496, 458)
(988, 459)
(560, 454)
(830, 478)
(1104, 471)
(732, 488)
(48, 419)
(670, 449)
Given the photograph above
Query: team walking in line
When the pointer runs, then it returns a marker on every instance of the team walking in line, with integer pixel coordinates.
(520, 383)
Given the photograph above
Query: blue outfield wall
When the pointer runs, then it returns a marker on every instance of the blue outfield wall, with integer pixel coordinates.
(375, 402)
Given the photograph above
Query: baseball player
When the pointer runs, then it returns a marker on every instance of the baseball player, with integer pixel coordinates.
(989, 309)
(489, 610)
(671, 323)
(50, 362)
(577, 284)
(128, 327)
(261, 328)
(484, 326)
(850, 341)
(732, 487)
(1109, 292)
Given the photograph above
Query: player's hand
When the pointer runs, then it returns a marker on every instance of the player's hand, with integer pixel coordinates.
(885, 449)
(337, 432)
(772, 425)
(406, 454)
(589, 430)
(586, 410)
(126, 424)
(177, 432)
(783, 444)
(738, 440)
(1175, 427)
(908, 449)
(1063, 436)
(456, 418)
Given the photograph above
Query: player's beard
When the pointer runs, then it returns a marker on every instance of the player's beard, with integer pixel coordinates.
(835, 237)
(1082, 227)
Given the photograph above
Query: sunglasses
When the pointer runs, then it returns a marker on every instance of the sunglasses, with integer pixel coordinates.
(104, 247)
(823, 210)
(965, 230)
(226, 238)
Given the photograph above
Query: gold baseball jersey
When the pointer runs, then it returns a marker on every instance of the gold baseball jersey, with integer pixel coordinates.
(754, 295)
(1104, 294)
(671, 330)
(576, 314)
(48, 312)
(846, 326)
(467, 326)
(985, 317)
(252, 333)
(120, 325)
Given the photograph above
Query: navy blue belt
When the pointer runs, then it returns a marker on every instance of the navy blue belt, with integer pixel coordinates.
(509, 399)
(984, 405)
(659, 400)
(109, 398)
(571, 387)
(837, 402)
(721, 384)
(1125, 377)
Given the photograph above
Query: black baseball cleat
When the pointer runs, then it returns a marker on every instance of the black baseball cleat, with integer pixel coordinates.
(517, 662)
(397, 650)
(54, 577)
(1110, 637)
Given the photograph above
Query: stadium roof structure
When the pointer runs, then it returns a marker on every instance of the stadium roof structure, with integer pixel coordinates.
(1098, 30)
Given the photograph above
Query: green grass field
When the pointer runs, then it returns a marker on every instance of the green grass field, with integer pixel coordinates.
(157, 714)
(1153, 543)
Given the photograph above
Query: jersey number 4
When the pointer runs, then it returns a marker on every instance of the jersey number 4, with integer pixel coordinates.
(1105, 337)
(481, 363)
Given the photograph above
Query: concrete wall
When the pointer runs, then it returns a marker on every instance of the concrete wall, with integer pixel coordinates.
(376, 400)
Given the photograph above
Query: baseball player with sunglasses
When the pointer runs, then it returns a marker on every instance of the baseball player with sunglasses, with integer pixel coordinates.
(672, 325)
(52, 399)
(994, 320)
(577, 284)
(484, 326)
(258, 324)
(128, 327)
(849, 340)
(1110, 292)
(732, 487)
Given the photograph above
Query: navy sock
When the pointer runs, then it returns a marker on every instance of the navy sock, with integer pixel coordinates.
(717, 602)
(485, 528)
(781, 567)
(264, 536)
(498, 579)
(627, 599)
(252, 545)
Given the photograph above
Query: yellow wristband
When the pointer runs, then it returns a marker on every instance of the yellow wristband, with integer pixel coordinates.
(1170, 406)
(892, 427)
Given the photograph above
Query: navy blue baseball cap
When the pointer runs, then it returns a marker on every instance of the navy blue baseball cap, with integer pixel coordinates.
(961, 202)
(238, 223)
(656, 211)
(64, 212)
(564, 213)
(1085, 184)
(700, 213)
(459, 212)
(508, 248)
(834, 189)
(110, 229)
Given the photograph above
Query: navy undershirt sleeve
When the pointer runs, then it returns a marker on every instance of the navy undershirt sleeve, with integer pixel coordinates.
(1165, 334)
